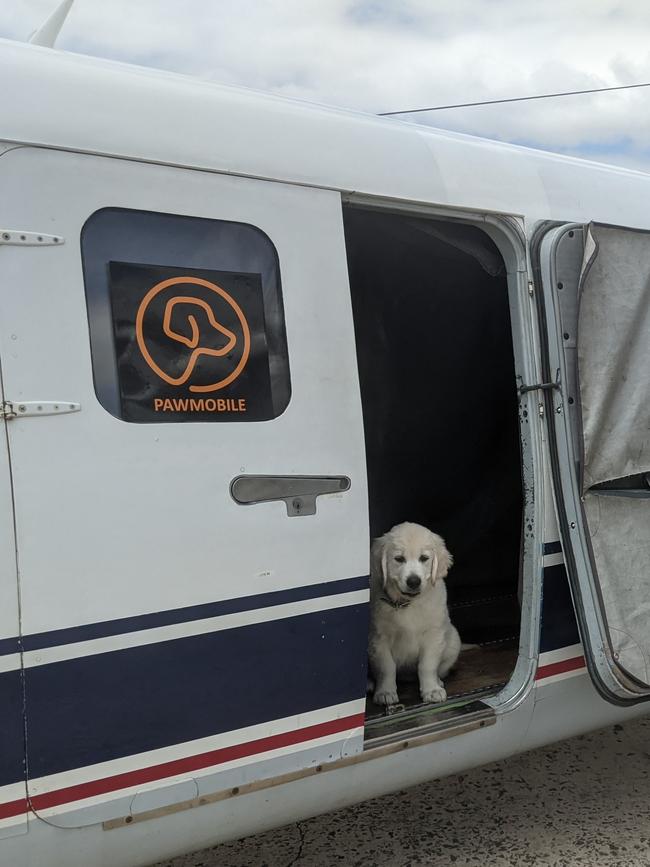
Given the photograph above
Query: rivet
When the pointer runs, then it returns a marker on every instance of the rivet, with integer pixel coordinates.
(573, 525)
(39, 238)
(128, 820)
(566, 335)
(71, 406)
(23, 238)
(235, 791)
(571, 233)
(6, 236)
(56, 240)
(560, 285)
(571, 400)
(22, 408)
(39, 408)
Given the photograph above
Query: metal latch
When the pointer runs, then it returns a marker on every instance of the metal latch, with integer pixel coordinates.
(298, 492)
(539, 386)
(18, 238)
(9, 409)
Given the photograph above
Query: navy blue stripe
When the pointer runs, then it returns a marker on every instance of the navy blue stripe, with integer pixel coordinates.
(12, 729)
(552, 547)
(9, 645)
(110, 705)
(559, 626)
(73, 634)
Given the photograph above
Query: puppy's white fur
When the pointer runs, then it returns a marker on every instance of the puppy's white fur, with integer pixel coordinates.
(410, 629)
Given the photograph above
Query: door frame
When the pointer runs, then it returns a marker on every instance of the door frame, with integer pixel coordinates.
(608, 679)
(507, 232)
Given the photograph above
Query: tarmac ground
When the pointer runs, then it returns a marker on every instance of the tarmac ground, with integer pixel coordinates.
(584, 802)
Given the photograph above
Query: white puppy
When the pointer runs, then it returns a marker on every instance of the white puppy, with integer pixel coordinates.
(410, 629)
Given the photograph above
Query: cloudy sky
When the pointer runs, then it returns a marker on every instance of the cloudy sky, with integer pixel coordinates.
(381, 55)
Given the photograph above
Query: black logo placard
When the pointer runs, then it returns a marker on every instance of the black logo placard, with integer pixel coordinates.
(190, 344)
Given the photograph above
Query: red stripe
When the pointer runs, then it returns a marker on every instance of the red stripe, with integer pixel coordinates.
(179, 766)
(559, 667)
(13, 808)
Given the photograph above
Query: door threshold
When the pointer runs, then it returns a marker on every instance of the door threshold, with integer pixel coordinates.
(427, 719)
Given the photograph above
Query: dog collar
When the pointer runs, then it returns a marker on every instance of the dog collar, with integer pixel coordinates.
(395, 603)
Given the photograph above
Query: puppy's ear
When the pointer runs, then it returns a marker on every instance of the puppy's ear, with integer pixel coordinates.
(380, 558)
(384, 563)
(443, 561)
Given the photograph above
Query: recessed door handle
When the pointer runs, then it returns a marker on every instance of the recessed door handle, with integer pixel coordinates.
(298, 492)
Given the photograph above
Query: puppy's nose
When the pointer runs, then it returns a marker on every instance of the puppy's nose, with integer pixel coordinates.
(413, 582)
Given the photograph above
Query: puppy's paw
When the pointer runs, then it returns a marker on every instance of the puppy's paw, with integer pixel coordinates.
(437, 694)
(385, 697)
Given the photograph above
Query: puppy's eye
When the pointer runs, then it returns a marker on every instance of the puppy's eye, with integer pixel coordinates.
(400, 559)
(424, 558)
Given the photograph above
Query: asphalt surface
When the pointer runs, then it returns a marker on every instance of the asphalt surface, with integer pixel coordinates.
(581, 803)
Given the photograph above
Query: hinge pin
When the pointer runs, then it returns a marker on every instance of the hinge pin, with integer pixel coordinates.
(18, 238)
(37, 407)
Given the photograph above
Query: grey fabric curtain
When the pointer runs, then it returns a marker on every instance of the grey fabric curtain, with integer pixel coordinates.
(620, 539)
(614, 354)
(614, 377)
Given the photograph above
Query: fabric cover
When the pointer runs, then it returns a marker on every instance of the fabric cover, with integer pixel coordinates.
(619, 527)
(614, 354)
(614, 377)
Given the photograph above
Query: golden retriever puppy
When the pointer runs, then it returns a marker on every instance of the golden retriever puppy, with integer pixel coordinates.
(410, 629)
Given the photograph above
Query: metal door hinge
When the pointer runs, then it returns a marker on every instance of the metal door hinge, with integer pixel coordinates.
(18, 238)
(9, 409)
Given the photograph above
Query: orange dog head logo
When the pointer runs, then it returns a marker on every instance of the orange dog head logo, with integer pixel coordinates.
(191, 322)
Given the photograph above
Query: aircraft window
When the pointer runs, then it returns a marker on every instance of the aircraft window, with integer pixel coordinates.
(186, 318)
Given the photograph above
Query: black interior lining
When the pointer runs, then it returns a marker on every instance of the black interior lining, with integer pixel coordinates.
(438, 387)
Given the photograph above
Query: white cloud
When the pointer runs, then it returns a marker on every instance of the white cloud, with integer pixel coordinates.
(379, 55)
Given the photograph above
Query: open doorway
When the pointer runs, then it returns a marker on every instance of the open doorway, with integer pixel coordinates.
(438, 388)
